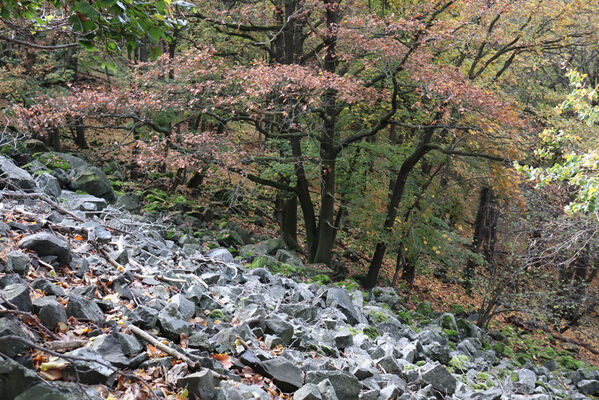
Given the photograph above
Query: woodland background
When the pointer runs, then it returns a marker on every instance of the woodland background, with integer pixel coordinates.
(447, 148)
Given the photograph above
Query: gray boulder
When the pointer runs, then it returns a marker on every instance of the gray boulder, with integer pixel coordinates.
(587, 386)
(49, 311)
(285, 375)
(10, 348)
(84, 309)
(92, 370)
(441, 379)
(15, 379)
(128, 202)
(347, 386)
(18, 295)
(340, 298)
(527, 380)
(309, 391)
(93, 181)
(46, 244)
(14, 176)
(49, 185)
(17, 261)
(200, 384)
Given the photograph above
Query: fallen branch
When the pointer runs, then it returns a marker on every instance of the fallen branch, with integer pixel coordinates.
(159, 345)
(66, 345)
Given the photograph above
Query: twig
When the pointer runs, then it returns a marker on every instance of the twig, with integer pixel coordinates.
(64, 345)
(155, 342)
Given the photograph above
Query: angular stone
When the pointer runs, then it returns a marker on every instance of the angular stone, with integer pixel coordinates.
(340, 298)
(49, 311)
(186, 308)
(49, 288)
(441, 379)
(18, 295)
(347, 386)
(128, 202)
(92, 371)
(58, 391)
(221, 255)
(527, 380)
(285, 375)
(15, 176)
(84, 309)
(15, 379)
(587, 386)
(327, 390)
(173, 327)
(49, 185)
(362, 373)
(200, 384)
(109, 347)
(309, 391)
(93, 181)
(289, 257)
(389, 365)
(343, 339)
(282, 329)
(17, 261)
(390, 392)
(10, 348)
(46, 244)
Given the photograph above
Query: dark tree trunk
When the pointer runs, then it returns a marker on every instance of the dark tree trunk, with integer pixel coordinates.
(80, 140)
(394, 199)
(485, 228)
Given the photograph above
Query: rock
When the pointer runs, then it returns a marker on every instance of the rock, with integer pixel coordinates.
(425, 308)
(110, 348)
(49, 185)
(49, 311)
(15, 378)
(289, 257)
(85, 310)
(46, 244)
(92, 371)
(347, 386)
(9, 327)
(49, 288)
(58, 391)
(172, 327)
(229, 238)
(128, 202)
(362, 373)
(441, 379)
(185, 307)
(285, 375)
(93, 181)
(527, 381)
(590, 387)
(391, 392)
(36, 146)
(343, 339)
(389, 365)
(221, 255)
(327, 390)
(280, 328)
(309, 391)
(340, 298)
(447, 321)
(199, 384)
(18, 295)
(17, 261)
(97, 232)
(148, 316)
(15, 176)
(129, 344)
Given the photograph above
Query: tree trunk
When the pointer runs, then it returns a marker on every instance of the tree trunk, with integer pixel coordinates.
(394, 199)
(485, 228)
